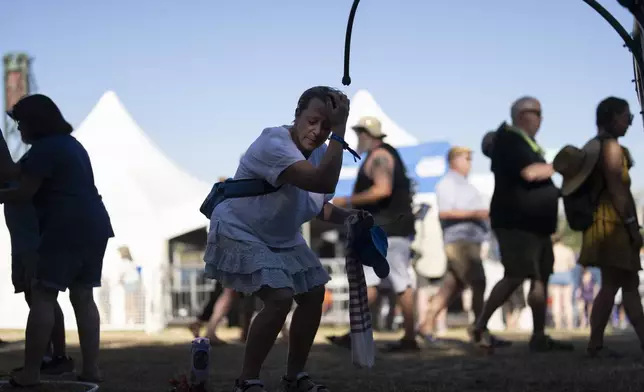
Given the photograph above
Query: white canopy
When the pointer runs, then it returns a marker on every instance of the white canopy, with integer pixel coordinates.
(362, 105)
(150, 200)
(137, 181)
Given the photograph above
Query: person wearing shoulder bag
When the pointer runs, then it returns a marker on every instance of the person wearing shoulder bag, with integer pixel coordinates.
(611, 232)
(255, 246)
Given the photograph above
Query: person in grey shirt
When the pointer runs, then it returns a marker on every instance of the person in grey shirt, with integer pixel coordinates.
(22, 223)
(463, 216)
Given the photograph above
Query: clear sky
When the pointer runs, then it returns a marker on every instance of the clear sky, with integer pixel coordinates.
(204, 77)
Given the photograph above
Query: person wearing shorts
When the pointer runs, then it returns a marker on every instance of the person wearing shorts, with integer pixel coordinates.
(22, 224)
(463, 216)
(57, 175)
(523, 215)
(383, 189)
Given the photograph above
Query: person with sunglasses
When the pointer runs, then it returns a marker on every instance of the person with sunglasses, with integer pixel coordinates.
(523, 216)
(613, 241)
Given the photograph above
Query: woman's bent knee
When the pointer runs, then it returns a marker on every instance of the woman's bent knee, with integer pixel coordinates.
(277, 300)
(314, 297)
(81, 297)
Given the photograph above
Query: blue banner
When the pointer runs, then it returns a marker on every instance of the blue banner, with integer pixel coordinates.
(426, 164)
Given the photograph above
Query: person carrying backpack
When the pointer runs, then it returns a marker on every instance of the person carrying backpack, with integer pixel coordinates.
(599, 203)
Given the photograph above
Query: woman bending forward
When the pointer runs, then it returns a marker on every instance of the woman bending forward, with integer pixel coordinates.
(255, 245)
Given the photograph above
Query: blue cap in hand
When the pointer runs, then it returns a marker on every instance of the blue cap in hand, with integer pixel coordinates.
(371, 249)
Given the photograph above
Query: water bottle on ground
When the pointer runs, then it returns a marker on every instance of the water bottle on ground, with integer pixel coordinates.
(200, 364)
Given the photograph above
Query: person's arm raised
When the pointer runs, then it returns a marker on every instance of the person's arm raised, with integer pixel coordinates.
(324, 178)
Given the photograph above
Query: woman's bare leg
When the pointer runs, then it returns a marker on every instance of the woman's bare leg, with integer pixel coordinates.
(40, 324)
(557, 305)
(304, 327)
(264, 329)
(221, 309)
(89, 330)
(633, 305)
(602, 308)
(568, 314)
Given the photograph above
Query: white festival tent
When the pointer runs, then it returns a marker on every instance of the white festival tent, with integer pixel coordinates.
(150, 201)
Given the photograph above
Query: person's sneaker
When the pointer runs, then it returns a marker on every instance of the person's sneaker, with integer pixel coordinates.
(498, 342)
(431, 340)
(343, 341)
(401, 346)
(248, 386)
(481, 338)
(544, 343)
(58, 366)
(603, 352)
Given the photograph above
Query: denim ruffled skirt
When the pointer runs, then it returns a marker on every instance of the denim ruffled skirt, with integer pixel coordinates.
(246, 266)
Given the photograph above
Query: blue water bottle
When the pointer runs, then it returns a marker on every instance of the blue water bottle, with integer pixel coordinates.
(200, 363)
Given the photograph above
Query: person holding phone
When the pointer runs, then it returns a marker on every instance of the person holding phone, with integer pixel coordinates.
(255, 245)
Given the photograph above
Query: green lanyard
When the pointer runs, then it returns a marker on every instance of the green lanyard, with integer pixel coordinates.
(535, 147)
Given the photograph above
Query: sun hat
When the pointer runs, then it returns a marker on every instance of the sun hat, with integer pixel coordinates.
(575, 165)
(370, 125)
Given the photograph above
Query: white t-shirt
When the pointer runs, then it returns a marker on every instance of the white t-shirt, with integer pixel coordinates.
(564, 258)
(273, 219)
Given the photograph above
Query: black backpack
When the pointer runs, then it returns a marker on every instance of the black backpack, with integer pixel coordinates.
(580, 206)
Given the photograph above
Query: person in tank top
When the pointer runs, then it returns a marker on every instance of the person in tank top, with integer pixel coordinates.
(383, 189)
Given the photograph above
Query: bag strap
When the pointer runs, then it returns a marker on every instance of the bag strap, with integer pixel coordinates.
(595, 198)
(535, 147)
(232, 189)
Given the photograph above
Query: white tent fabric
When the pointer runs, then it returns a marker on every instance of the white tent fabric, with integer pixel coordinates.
(149, 199)
(363, 104)
(136, 180)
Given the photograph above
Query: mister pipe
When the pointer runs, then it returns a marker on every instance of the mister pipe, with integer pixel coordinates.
(628, 40)
(346, 79)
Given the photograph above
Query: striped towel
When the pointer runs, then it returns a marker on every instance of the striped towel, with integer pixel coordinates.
(362, 345)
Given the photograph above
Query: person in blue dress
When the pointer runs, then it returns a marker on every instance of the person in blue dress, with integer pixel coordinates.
(56, 175)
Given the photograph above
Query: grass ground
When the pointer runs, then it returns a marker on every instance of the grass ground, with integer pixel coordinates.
(135, 362)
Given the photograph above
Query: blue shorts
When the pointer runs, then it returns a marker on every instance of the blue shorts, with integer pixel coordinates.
(561, 278)
(23, 268)
(63, 269)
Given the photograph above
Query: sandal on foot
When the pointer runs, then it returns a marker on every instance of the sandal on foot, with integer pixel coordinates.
(249, 386)
(92, 379)
(402, 346)
(544, 343)
(195, 329)
(343, 341)
(481, 339)
(16, 384)
(302, 383)
(603, 352)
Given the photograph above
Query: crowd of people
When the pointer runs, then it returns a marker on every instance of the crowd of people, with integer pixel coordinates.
(59, 230)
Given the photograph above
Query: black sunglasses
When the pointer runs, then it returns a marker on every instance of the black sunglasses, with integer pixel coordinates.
(533, 111)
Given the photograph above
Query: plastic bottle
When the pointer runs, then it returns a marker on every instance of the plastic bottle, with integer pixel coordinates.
(200, 363)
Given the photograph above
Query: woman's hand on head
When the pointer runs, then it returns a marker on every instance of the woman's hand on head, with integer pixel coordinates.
(338, 112)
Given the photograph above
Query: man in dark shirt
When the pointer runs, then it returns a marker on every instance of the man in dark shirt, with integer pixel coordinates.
(523, 215)
(383, 189)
